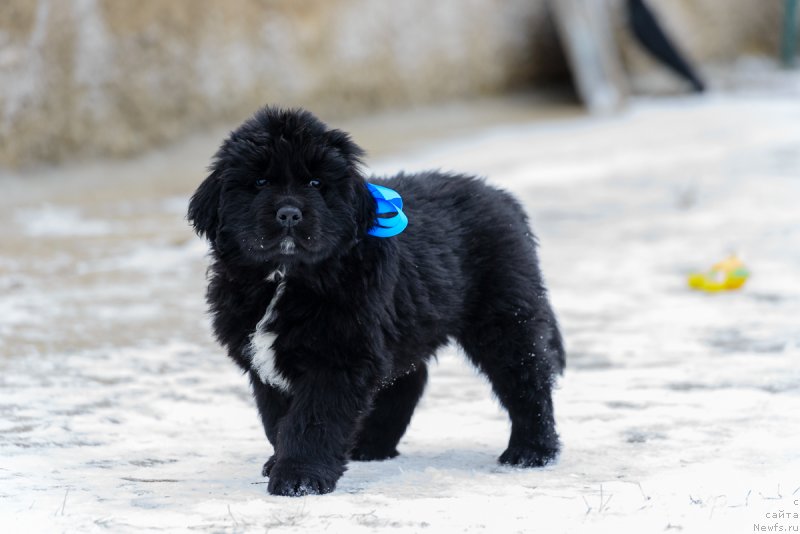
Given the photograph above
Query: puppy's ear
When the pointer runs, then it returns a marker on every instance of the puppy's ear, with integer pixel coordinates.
(363, 201)
(342, 142)
(204, 205)
(365, 207)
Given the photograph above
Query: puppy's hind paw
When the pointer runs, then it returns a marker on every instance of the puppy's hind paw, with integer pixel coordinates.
(528, 456)
(265, 471)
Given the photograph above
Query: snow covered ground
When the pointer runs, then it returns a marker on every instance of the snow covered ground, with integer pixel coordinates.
(678, 412)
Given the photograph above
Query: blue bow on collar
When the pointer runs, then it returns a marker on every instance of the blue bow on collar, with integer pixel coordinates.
(390, 219)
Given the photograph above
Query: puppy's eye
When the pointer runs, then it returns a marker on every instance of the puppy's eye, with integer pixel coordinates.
(261, 182)
(314, 183)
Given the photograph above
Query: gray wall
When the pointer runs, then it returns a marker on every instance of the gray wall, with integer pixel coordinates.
(113, 77)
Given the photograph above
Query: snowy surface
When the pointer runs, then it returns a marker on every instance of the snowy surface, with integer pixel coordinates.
(679, 411)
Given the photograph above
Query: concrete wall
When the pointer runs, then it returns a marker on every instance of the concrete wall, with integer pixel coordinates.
(89, 77)
(112, 77)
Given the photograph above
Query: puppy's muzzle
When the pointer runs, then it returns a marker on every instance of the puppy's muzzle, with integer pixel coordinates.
(289, 216)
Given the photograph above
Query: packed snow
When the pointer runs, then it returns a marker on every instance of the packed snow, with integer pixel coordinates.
(679, 411)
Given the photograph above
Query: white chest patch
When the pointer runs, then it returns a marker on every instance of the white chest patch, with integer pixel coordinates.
(262, 356)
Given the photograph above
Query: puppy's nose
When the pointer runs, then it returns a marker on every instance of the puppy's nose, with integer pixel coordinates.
(289, 216)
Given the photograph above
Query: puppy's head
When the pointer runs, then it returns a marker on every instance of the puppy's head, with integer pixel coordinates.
(283, 188)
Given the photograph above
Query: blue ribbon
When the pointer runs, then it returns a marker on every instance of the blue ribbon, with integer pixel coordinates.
(390, 219)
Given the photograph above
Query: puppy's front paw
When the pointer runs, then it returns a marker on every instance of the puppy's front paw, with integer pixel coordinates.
(294, 479)
(371, 454)
(526, 456)
(265, 471)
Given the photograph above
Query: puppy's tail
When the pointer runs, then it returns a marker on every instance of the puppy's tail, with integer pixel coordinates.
(556, 346)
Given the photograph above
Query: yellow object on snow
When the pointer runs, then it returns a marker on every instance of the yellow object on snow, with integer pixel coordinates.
(723, 276)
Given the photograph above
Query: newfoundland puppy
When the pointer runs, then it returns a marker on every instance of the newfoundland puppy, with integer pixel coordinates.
(335, 317)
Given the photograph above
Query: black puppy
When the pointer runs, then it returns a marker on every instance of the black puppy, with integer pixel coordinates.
(335, 326)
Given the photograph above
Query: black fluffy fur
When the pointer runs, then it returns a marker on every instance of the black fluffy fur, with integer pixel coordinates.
(359, 316)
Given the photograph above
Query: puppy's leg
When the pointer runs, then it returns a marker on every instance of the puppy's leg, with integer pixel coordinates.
(272, 405)
(520, 353)
(315, 434)
(391, 412)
